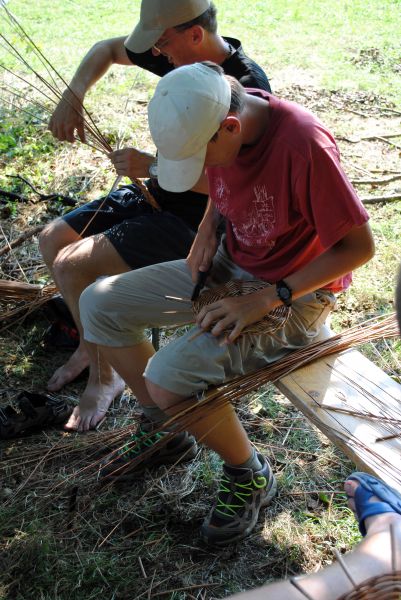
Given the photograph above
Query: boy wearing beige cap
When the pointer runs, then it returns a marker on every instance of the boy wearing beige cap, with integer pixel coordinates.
(293, 220)
(126, 232)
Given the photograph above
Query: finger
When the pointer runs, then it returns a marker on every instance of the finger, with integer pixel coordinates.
(68, 133)
(222, 325)
(235, 333)
(120, 171)
(81, 133)
(60, 134)
(70, 136)
(213, 306)
(224, 340)
(205, 263)
(195, 265)
(216, 323)
(119, 163)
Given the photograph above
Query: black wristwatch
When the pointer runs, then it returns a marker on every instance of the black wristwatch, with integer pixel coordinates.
(284, 292)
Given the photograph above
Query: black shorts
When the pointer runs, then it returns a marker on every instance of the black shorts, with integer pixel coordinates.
(141, 235)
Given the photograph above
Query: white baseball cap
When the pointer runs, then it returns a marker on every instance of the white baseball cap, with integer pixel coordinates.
(159, 15)
(187, 108)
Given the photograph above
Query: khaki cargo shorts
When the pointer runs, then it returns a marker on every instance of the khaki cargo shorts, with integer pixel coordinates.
(115, 311)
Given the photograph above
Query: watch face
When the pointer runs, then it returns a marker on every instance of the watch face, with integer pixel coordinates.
(153, 170)
(284, 293)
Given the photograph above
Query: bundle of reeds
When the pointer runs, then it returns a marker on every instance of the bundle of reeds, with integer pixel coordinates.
(49, 86)
(234, 390)
(18, 300)
(86, 458)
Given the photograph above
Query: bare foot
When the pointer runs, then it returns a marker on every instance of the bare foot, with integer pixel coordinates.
(74, 366)
(94, 403)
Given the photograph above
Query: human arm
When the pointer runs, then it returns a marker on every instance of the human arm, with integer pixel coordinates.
(205, 244)
(134, 163)
(350, 252)
(68, 115)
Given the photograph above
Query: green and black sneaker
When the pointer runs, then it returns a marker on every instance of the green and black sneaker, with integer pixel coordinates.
(121, 464)
(242, 494)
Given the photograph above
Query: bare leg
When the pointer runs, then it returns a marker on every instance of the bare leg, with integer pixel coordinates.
(372, 557)
(56, 236)
(217, 429)
(213, 430)
(74, 268)
(129, 363)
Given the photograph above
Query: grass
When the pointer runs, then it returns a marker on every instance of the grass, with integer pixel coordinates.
(64, 536)
(337, 44)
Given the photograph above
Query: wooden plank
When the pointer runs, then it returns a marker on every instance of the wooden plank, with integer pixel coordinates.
(350, 381)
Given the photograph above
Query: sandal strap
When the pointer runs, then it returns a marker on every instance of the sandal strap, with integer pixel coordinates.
(366, 508)
(388, 499)
(57, 406)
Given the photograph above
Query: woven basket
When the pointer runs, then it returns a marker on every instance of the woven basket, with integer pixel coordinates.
(384, 587)
(274, 320)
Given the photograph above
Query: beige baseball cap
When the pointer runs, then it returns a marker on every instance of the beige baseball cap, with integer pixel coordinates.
(187, 108)
(159, 15)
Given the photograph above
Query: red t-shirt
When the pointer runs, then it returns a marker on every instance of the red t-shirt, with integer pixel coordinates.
(286, 199)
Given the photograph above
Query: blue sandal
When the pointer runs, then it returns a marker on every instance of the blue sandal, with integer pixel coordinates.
(390, 499)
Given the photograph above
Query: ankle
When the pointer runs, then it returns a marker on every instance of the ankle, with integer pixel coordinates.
(154, 414)
(252, 462)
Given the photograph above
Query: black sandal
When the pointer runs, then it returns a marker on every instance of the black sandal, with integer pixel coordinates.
(35, 411)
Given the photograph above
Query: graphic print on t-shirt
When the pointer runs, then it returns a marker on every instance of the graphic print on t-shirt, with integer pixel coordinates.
(258, 226)
(222, 192)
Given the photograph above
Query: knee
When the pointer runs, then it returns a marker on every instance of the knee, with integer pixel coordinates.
(55, 236)
(164, 399)
(47, 243)
(64, 270)
(107, 316)
(97, 312)
(93, 302)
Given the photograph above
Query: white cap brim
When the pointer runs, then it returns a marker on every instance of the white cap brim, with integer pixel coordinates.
(141, 40)
(180, 175)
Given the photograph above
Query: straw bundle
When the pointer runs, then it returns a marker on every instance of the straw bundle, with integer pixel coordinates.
(85, 459)
(234, 390)
(274, 320)
(25, 298)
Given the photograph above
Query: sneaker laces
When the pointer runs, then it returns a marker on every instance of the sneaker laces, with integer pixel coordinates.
(240, 491)
(138, 443)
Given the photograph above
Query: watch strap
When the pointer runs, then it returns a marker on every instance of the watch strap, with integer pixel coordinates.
(284, 292)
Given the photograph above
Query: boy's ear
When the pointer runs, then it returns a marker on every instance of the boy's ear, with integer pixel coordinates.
(196, 34)
(231, 124)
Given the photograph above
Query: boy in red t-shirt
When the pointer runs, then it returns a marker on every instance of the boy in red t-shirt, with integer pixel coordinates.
(293, 220)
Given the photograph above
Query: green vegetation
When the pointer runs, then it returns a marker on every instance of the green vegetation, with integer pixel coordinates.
(339, 44)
